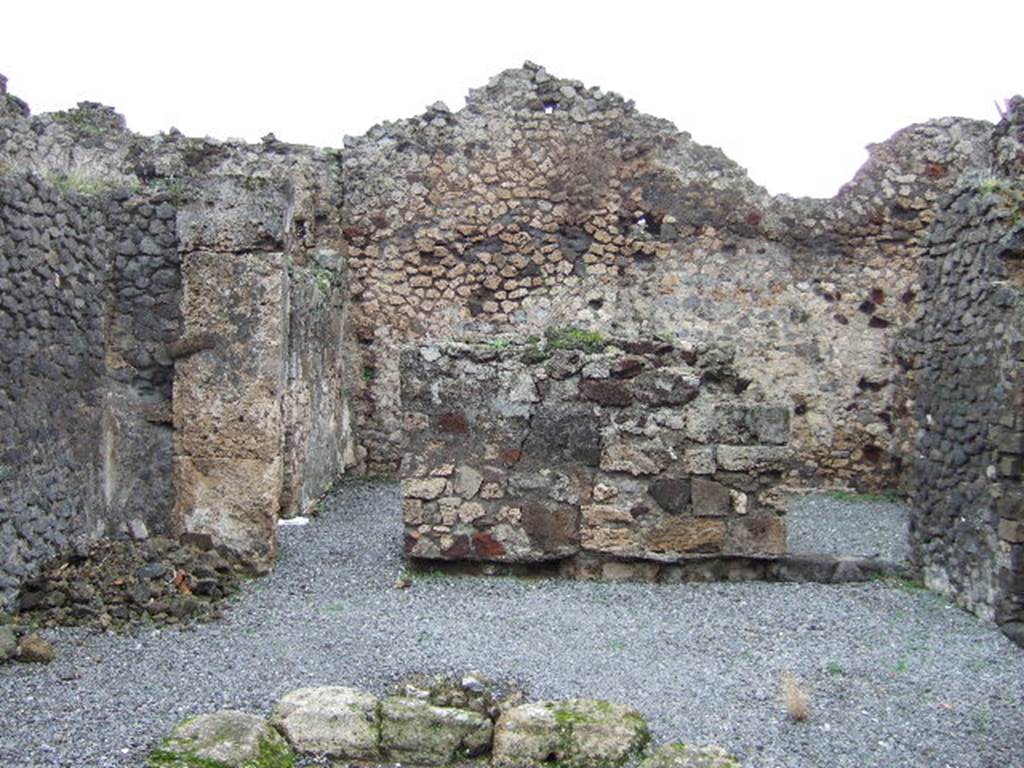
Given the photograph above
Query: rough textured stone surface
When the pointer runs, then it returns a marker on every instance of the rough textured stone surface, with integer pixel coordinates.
(101, 232)
(417, 732)
(332, 721)
(33, 649)
(968, 352)
(545, 203)
(687, 756)
(545, 467)
(542, 203)
(122, 585)
(471, 691)
(8, 643)
(226, 739)
(83, 323)
(583, 733)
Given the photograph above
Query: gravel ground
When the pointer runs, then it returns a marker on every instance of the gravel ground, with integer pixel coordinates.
(820, 524)
(898, 678)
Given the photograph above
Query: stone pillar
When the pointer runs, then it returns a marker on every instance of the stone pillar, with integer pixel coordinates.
(230, 378)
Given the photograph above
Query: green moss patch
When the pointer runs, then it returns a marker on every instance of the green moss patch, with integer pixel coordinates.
(575, 338)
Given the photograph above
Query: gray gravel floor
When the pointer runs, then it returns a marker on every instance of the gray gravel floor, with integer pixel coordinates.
(898, 677)
(822, 524)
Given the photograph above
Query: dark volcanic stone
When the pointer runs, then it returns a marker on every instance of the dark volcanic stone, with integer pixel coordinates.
(152, 571)
(606, 392)
(570, 432)
(672, 494)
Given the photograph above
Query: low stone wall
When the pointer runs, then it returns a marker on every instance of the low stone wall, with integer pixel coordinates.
(444, 723)
(968, 524)
(532, 451)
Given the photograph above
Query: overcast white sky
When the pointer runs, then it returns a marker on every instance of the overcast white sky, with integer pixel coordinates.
(793, 91)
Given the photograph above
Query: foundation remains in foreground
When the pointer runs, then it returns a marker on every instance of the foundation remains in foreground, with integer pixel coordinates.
(199, 336)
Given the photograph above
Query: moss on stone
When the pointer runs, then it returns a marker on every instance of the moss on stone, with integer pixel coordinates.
(575, 338)
(273, 752)
(567, 717)
(680, 755)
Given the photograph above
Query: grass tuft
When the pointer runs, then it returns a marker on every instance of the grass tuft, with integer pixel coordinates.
(795, 698)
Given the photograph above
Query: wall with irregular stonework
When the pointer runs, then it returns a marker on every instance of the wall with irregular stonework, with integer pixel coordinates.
(175, 331)
(90, 299)
(622, 450)
(547, 203)
(968, 523)
(542, 203)
(51, 352)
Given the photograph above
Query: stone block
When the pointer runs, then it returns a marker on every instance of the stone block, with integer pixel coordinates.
(699, 461)
(769, 424)
(8, 643)
(551, 528)
(467, 481)
(757, 535)
(227, 399)
(1011, 531)
(576, 733)
(710, 498)
(424, 488)
(747, 458)
(227, 739)
(672, 494)
(412, 511)
(1010, 442)
(666, 386)
(33, 649)
(417, 732)
(235, 501)
(613, 541)
(623, 457)
(688, 756)
(606, 392)
(685, 535)
(1011, 466)
(564, 431)
(333, 721)
(603, 514)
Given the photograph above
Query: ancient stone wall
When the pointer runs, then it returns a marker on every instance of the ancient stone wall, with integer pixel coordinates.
(51, 395)
(545, 203)
(578, 447)
(261, 417)
(968, 526)
(90, 299)
(246, 303)
(157, 293)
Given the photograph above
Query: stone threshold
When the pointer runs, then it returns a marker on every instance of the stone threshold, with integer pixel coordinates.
(803, 568)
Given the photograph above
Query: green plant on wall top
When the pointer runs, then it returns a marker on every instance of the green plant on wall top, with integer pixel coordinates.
(575, 338)
(1008, 194)
(325, 279)
(77, 183)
